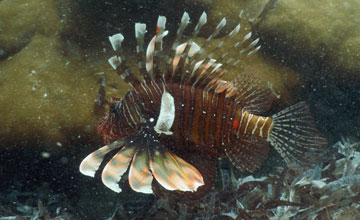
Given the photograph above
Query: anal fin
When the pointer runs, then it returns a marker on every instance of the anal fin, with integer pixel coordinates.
(248, 152)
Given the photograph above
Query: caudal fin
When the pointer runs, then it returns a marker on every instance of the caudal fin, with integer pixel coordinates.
(295, 136)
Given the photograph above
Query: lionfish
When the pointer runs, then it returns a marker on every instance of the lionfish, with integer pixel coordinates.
(174, 123)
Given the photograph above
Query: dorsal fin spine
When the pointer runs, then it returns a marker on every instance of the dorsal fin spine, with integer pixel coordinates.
(140, 30)
(185, 20)
(119, 62)
(180, 69)
(158, 52)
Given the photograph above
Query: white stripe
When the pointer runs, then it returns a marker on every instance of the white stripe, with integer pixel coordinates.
(142, 85)
(242, 117)
(256, 124)
(150, 55)
(248, 122)
(126, 118)
(272, 124)
(130, 113)
(262, 127)
(135, 105)
(151, 93)
(156, 88)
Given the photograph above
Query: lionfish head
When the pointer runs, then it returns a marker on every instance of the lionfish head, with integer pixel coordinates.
(110, 126)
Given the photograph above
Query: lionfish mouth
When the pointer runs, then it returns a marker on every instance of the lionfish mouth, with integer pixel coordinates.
(146, 161)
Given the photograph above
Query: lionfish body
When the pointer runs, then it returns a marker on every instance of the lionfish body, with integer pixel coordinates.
(183, 113)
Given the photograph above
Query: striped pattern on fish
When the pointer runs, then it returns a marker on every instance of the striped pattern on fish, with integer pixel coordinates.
(182, 108)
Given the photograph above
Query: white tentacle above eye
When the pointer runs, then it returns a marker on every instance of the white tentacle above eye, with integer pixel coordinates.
(167, 114)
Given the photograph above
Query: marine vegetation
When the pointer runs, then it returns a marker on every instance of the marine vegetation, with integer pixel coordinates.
(327, 191)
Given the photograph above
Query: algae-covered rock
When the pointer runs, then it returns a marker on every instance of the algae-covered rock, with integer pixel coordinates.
(312, 36)
(47, 96)
(20, 20)
(47, 85)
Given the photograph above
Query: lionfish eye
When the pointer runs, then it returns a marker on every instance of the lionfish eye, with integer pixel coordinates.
(113, 109)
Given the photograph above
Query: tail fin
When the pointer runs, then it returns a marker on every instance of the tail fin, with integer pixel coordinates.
(295, 136)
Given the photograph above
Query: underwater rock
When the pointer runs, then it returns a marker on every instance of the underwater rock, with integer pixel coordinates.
(47, 84)
(319, 40)
(48, 96)
(20, 20)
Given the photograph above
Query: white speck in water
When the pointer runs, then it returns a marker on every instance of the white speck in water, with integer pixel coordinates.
(151, 119)
(58, 144)
(45, 154)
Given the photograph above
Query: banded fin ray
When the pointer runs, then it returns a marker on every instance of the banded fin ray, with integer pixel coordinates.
(140, 176)
(248, 152)
(295, 136)
(185, 20)
(145, 163)
(154, 54)
(174, 173)
(116, 167)
(251, 92)
(92, 162)
(206, 166)
(118, 62)
(180, 69)
(140, 31)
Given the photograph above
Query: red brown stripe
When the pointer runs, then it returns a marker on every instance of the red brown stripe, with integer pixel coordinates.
(219, 119)
(198, 109)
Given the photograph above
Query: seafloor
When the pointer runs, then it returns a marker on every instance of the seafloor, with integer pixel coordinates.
(53, 53)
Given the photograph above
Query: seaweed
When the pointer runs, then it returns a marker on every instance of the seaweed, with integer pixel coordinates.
(329, 190)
